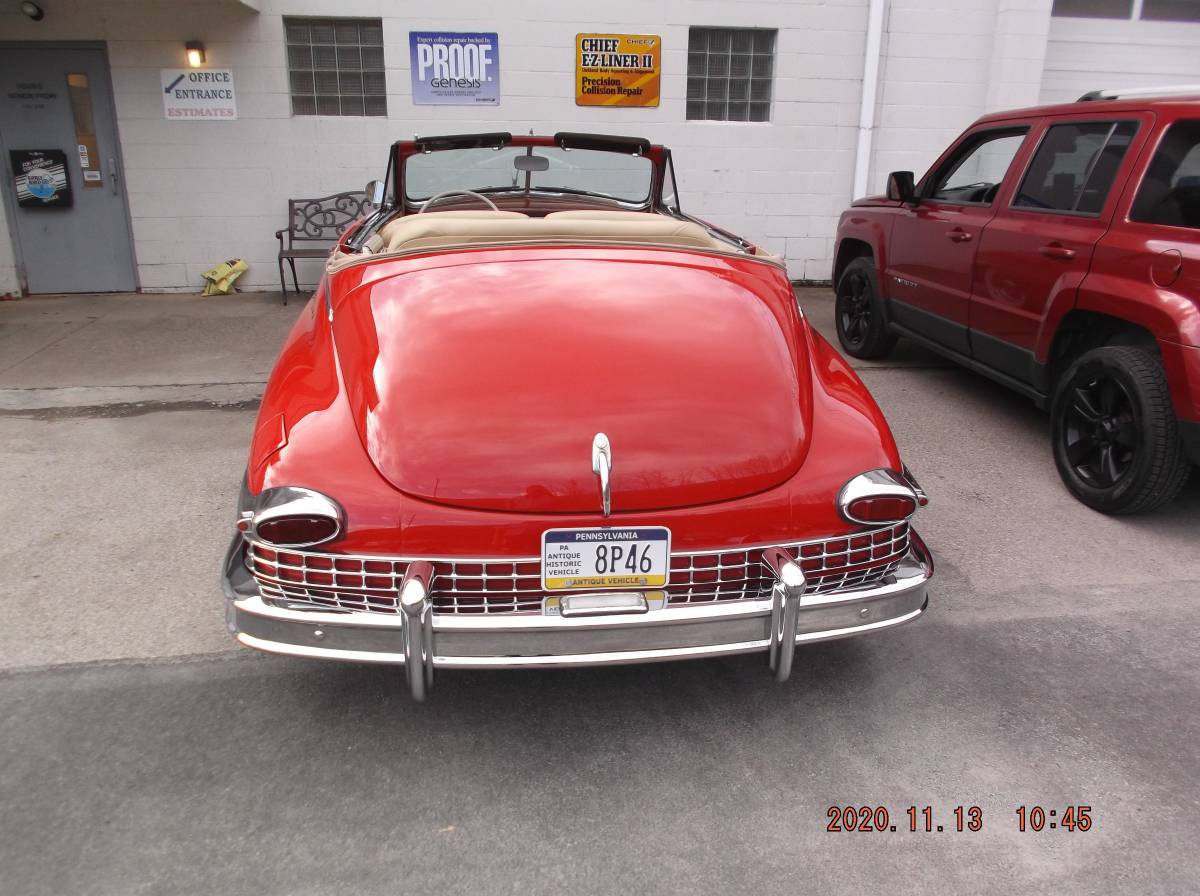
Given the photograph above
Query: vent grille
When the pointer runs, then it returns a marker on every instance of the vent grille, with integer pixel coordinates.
(307, 580)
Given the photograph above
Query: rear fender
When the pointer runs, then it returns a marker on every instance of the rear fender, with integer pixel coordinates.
(1167, 315)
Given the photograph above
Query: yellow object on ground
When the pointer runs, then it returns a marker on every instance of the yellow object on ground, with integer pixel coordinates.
(218, 280)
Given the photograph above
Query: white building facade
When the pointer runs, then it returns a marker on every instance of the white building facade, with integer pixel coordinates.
(192, 192)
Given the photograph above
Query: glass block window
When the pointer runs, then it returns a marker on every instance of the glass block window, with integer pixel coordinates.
(335, 66)
(1171, 10)
(729, 74)
(1092, 9)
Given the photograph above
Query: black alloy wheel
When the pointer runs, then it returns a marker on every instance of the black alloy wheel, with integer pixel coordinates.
(1101, 433)
(856, 308)
(1116, 442)
(861, 327)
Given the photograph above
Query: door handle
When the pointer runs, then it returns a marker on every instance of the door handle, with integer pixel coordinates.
(958, 235)
(1057, 250)
(112, 175)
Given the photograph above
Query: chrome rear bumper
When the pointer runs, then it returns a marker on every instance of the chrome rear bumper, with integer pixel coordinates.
(526, 641)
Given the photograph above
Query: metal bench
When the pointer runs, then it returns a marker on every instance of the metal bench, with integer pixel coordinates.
(315, 221)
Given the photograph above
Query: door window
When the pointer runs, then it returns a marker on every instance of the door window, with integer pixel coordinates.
(975, 172)
(1170, 191)
(1075, 166)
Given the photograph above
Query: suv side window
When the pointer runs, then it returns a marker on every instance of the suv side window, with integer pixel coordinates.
(975, 172)
(1075, 166)
(1170, 191)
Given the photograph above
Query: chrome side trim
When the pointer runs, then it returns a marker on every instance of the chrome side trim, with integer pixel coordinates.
(922, 497)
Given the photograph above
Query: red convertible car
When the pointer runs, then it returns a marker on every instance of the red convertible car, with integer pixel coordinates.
(535, 415)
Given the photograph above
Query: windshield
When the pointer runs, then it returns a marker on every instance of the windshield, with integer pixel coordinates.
(626, 178)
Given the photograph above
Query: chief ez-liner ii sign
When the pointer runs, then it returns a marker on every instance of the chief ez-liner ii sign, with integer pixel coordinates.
(617, 69)
(198, 94)
(454, 68)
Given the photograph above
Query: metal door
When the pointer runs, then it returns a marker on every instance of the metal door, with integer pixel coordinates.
(1038, 249)
(57, 100)
(931, 257)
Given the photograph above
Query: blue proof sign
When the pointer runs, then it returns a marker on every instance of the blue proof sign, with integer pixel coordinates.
(454, 68)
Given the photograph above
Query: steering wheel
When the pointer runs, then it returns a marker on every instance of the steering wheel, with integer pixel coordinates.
(442, 195)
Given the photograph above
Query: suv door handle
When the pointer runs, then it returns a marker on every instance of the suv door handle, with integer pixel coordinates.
(1057, 250)
(958, 235)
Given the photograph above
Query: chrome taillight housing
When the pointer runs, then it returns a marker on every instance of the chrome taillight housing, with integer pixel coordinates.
(880, 496)
(291, 517)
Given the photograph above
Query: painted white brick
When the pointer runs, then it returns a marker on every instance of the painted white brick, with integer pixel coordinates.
(200, 192)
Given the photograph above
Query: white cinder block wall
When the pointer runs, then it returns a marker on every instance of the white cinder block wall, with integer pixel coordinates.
(201, 192)
(1094, 54)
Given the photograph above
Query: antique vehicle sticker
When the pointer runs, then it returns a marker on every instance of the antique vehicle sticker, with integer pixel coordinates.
(617, 69)
(40, 178)
(453, 68)
(198, 94)
(605, 558)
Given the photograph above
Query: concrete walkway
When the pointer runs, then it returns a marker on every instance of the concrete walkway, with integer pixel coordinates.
(144, 753)
(96, 350)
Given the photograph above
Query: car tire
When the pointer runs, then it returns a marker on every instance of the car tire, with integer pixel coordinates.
(858, 311)
(1116, 442)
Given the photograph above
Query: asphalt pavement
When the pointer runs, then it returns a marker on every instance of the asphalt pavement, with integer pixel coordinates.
(142, 752)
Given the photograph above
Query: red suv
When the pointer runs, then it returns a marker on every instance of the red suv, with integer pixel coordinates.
(1056, 250)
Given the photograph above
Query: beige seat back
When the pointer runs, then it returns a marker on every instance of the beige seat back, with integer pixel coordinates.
(594, 215)
(415, 232)
(388, 230)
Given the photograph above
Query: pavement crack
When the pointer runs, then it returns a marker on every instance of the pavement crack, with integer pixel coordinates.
(233, 654)
(128, 409)
(37, 351)
(132, 386)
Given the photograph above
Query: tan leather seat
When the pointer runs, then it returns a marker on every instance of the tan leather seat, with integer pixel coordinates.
(484, 214)
(638, 228)
(589, 214)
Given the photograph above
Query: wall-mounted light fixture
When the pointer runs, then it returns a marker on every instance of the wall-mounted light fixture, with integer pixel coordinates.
(195, 53)
(32, 10)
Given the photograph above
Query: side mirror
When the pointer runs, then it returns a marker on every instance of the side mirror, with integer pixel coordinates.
(900, 187)
(375, 193)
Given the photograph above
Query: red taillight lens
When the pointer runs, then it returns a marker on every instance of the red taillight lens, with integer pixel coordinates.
(882, 508)
(296, 530)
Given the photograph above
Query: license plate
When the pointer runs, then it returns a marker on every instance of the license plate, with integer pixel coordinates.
(605, 558)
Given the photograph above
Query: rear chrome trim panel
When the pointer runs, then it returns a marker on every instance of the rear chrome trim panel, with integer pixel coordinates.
(512, 586)
(516, 641)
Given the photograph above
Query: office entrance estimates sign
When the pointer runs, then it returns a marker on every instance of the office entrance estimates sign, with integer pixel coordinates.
(198, 94)
(617, 69)
(452, 68)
